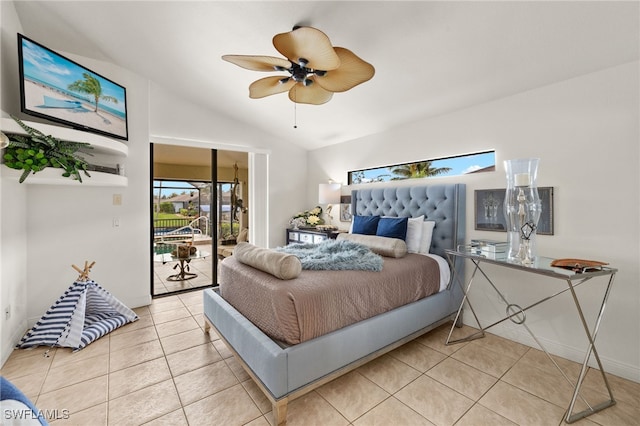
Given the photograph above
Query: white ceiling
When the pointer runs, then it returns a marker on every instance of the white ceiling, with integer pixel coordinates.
(431, 58)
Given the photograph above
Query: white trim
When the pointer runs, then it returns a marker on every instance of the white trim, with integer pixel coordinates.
(53, 176)
(197, 143)
(15, 338)
(98, 142)
(259, 199)
(258, 181)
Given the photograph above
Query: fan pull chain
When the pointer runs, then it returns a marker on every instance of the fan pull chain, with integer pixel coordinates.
(295, 109)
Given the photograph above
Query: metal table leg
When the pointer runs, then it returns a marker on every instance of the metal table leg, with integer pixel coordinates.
(465, 298)
(591, 336)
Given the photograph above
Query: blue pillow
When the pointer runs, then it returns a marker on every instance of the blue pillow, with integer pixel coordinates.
(367, 225)
(392, 227)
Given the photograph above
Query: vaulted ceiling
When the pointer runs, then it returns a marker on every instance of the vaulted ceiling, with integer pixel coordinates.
(431, 58)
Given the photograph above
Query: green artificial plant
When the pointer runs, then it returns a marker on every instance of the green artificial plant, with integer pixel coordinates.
(35, 151)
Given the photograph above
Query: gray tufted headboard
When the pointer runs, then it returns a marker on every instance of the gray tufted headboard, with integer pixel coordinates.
(444, 204)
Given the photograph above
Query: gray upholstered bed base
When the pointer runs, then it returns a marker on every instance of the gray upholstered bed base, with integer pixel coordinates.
(284, 373)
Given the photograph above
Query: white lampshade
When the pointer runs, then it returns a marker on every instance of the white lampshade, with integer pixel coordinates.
(329, 193)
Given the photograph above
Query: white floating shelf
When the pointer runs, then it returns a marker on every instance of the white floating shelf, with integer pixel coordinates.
(53, 176)
(101, 144)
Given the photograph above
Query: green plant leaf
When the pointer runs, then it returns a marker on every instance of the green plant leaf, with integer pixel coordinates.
(24, 175)
(36, 151)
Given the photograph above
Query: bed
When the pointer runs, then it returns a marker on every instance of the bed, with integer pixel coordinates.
(286, 371)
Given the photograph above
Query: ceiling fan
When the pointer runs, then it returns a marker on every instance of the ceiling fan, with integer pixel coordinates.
(316, 69)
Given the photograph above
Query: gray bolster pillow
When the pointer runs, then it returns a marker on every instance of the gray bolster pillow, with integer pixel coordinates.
(384, 246)
(280, 265)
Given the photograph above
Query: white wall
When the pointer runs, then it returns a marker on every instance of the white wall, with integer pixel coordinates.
(586, 133)
(46, 229)
(13, 204)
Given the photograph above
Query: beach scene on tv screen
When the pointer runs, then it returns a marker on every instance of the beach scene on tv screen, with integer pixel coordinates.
(59, 88)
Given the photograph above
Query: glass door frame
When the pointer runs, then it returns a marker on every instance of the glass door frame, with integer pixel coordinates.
(213, 220)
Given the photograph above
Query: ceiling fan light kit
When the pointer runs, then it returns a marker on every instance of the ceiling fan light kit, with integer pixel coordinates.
(316, 69)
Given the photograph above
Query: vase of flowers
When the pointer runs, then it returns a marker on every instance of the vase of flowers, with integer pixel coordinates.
(307, 219)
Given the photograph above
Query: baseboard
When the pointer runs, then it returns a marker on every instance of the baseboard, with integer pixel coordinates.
(611, 366)
(13, 341)
(139, 301)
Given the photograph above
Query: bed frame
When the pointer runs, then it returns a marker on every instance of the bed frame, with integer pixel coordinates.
(284, 373)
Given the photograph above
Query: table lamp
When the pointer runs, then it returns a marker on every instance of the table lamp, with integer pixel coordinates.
(329, 194)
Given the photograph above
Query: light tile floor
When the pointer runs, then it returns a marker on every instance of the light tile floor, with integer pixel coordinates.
(164, 370)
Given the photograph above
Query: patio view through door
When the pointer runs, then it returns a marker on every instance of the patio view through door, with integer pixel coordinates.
(184, 246)
(199, 201)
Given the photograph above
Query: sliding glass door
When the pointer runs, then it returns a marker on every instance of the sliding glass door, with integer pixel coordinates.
(184, 215)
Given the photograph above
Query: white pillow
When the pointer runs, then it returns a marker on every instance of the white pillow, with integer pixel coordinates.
(427, 233)
(414, 234)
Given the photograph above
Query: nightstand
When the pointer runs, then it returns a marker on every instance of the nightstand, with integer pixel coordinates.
(308, 235)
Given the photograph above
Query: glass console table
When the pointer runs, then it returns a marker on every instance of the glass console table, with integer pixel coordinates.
(541, 266)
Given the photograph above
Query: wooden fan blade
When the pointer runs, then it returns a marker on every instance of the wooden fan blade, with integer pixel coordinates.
(269, 86)
(352, 71)
(310, 44)
(312, 94)
(257, 63)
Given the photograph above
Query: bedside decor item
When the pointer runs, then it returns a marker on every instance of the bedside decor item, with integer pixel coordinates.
(37, 151)
(345, 208)
(578, 265)
(522, 208)
(329, 194)
(307, 218)
(325, 228)
(498, 223)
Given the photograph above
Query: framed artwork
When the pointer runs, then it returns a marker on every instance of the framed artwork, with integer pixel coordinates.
(345, 208)
(489, 210)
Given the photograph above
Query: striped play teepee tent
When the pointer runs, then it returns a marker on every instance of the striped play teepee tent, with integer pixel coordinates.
(84, 313)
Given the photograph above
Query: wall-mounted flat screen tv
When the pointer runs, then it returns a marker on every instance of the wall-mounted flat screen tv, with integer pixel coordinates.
(61, 90)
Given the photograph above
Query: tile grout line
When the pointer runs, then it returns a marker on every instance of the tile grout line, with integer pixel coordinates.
(477, 401)
(164, 355)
